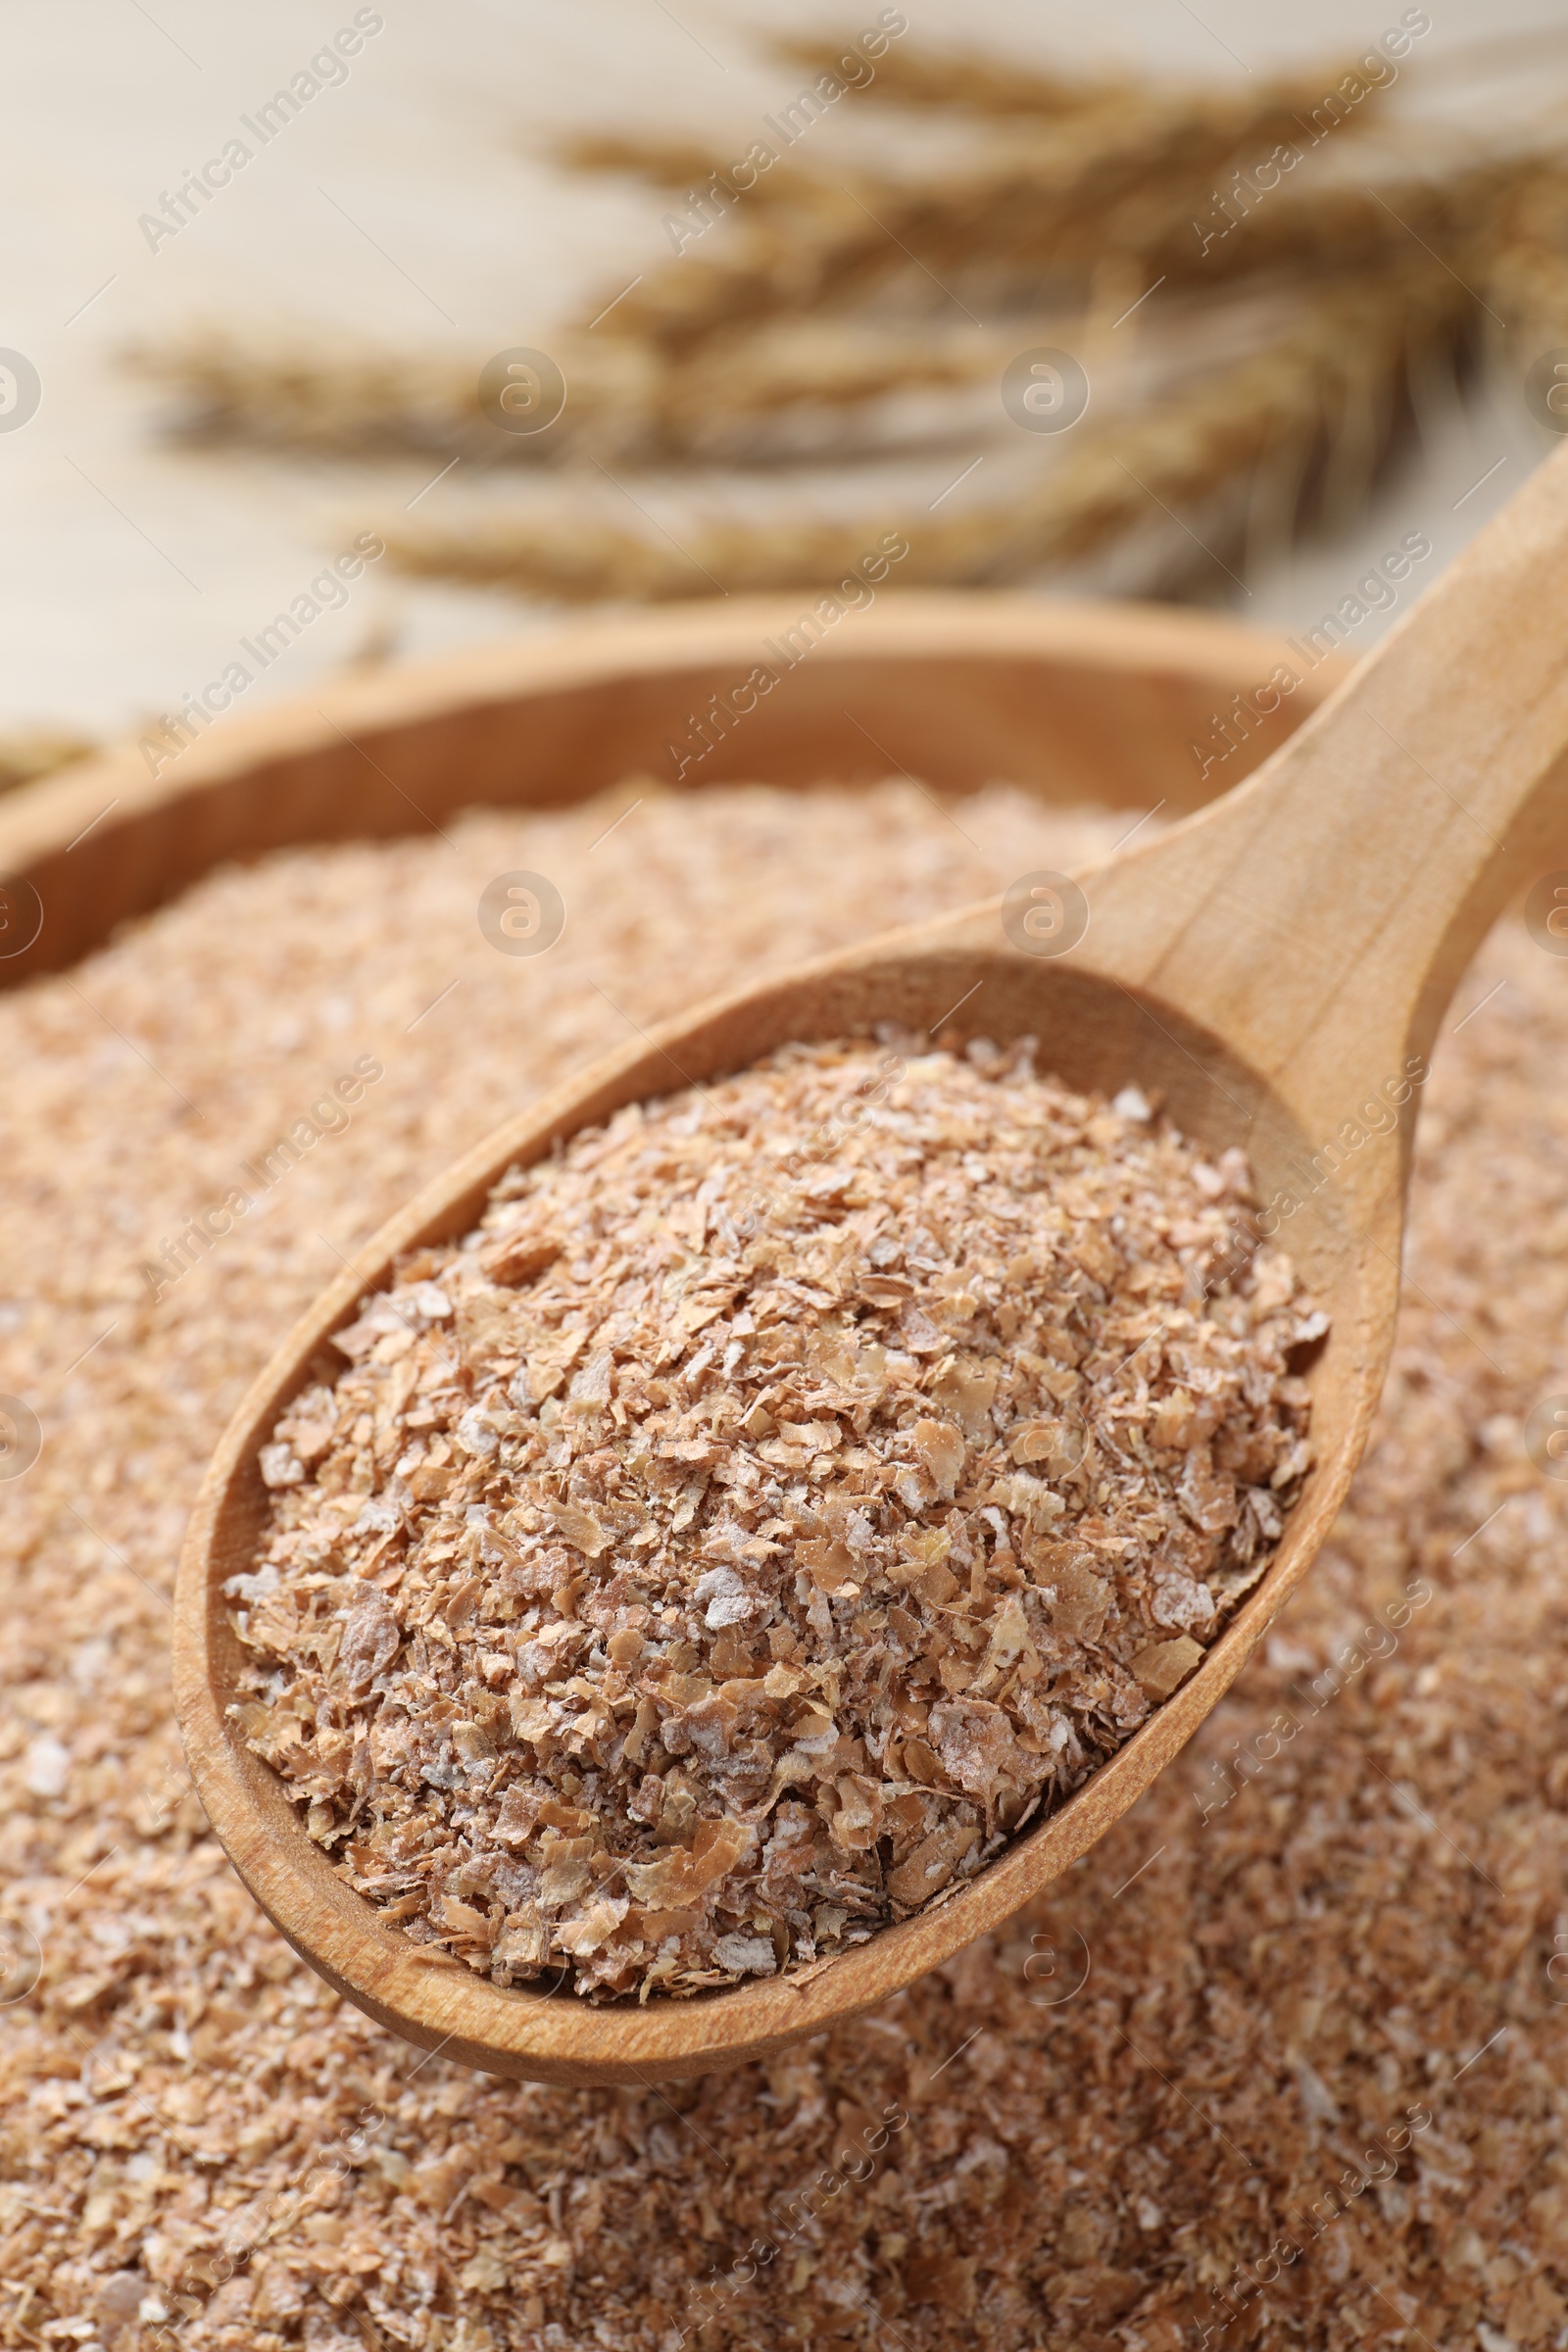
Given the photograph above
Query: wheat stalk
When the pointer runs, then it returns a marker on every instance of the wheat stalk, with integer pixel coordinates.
(1325, 392)
(352, 402)
(1526, 279)
(740, 396)
(930, 77)
(825, 293)
(1119, 176)
(632, 400)
(697, 359)
(625, 403)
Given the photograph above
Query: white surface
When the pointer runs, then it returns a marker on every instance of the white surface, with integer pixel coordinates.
(132, 568)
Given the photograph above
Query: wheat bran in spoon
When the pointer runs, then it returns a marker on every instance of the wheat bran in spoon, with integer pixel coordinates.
(777, 1502)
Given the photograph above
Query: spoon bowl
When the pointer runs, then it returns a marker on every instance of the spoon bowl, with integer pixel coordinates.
(1273, 971)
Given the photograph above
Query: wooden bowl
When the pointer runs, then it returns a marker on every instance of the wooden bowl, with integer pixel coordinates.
(1074, 704)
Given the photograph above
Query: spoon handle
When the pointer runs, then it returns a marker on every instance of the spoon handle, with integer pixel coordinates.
(1318, 919)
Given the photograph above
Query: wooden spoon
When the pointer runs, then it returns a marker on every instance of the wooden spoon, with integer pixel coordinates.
(1274, 969)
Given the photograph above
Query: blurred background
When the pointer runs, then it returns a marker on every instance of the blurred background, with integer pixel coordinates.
(1227, 305)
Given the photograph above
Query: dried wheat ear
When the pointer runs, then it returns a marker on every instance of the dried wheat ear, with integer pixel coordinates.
(716, 340)
(1292, 430)
(835, 310)
(778, 1501)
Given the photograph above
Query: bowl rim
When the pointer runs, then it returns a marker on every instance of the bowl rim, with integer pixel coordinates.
(104, 839)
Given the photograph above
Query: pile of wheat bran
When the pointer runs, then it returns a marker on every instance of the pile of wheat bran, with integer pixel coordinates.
(776, 1501)
(1345, 1903)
